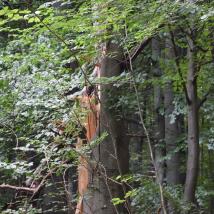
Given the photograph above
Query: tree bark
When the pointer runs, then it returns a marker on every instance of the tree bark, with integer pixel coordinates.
(111, 157)
(159, 117)
(193, 126)
(173, 126)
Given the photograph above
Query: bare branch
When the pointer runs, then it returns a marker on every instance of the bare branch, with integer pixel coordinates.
(26, 189)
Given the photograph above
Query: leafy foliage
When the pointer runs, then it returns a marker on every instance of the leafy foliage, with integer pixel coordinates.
(40, 38)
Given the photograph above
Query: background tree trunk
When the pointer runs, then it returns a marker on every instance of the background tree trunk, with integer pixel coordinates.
(173, 125)
(159, 117)
(193, 126)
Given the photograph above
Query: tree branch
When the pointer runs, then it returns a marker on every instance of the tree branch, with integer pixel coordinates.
(26, 189)
(134, 53)
(138, 49)
(203, 100)
(178, 67)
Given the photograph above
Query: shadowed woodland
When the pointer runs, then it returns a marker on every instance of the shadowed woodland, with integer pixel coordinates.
(107, 107)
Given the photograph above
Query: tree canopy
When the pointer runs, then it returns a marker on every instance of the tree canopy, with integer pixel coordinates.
(153, 102)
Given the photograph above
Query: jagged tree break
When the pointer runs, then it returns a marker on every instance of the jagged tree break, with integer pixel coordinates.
(106, 107)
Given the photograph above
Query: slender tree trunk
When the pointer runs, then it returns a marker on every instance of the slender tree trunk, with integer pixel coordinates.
(159, 117)
(193, 126)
